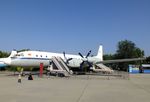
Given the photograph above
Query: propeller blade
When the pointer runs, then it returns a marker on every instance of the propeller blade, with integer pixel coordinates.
(88, 54)
(64, 54)
(80, 55)
(90, 65)
(85, 60)
(81, 65)
(69, 60)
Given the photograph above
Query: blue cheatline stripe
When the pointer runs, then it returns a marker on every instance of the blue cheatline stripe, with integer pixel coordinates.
(28, 58)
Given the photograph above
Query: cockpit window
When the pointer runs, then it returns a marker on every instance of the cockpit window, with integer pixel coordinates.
(20, 54)
(17, 54)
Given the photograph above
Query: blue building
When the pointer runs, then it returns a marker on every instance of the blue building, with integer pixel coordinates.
(145, 68)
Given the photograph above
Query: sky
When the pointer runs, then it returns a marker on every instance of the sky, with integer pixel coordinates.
(74, 25)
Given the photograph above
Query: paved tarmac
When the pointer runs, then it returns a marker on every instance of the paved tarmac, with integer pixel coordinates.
(135, 89)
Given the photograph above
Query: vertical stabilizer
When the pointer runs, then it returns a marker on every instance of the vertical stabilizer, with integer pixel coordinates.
(100, 53)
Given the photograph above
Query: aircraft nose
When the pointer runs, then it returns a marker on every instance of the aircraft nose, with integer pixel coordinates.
(5, 61)
(2, 64)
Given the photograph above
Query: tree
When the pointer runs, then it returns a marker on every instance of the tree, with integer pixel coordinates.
(23, 50)
(108, 57)
(127, 49)
(3, 54)
(148, 60)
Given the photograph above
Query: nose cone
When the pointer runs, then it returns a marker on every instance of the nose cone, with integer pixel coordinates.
(5, 62)
(2, 64)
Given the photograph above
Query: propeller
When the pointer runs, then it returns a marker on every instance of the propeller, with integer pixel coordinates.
(85, 60)
(67, 60)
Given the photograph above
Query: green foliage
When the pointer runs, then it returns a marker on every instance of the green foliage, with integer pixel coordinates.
(125, 49)
(111, 57)
(19, 69)
(128, 49)
(148, 60)
(4, 54)
(108, 57)
(23, 50)
(11, 68)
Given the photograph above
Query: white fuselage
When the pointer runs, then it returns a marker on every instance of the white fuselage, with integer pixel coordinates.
(34, 58)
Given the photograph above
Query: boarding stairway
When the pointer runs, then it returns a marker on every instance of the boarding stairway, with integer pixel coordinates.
(60, 66)
(102, 68)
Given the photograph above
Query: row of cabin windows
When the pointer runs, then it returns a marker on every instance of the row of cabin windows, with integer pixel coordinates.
(41, 56)
(23, 55)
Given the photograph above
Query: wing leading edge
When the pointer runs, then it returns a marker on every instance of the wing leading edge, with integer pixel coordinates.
(121, 60)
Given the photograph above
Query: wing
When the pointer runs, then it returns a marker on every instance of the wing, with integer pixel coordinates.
(121, 60)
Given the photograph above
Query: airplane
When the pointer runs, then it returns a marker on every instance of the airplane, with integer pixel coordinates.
(34, 58)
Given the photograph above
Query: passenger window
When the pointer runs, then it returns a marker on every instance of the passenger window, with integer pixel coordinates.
(21, 54)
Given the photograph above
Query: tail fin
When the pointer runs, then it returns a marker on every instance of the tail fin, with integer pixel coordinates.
(13, 53)
(100, 53)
